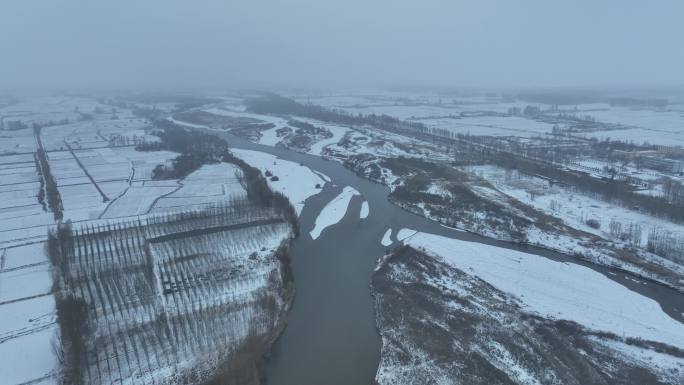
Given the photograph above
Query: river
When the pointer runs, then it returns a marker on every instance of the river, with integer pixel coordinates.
(331, 336)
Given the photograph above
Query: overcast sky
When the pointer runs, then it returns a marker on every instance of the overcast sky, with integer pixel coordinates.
(348, 43)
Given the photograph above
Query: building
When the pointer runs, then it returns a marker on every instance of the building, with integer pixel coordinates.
(663, 164)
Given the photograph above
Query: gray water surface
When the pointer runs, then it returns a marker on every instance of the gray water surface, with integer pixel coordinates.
(331, 337)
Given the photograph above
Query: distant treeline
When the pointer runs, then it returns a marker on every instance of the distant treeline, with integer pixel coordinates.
(278, 105)
(49, 188)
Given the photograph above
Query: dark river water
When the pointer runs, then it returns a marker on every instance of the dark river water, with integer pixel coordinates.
(331, 336)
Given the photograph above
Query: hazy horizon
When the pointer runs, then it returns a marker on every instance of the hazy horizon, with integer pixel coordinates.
(353, 44)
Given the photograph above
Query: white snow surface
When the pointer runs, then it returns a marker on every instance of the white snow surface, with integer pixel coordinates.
(386, 238)
(558, 290)
(334, 211)
(365, 210)
(296, 182)
(405, 233)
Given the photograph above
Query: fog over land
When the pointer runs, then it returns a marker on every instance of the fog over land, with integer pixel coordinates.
(353, 43)
(388, 192)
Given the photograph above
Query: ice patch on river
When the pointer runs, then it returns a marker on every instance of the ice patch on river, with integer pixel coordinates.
(365, 210)
(334, 211)
(558, 290)
(295, 181)
(405, 233)
(386, 239)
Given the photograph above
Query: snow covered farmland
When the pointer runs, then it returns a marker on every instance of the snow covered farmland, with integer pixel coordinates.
(168, 297)
(89, 180)
(27, 308)
(102, 182)
(211, 185)
(17, 142)
(655, 126)
(22, 216)
(491, 126)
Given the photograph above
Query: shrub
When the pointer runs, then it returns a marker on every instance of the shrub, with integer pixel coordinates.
(593, 223)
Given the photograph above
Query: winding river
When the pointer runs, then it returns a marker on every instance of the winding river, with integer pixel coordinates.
(331, 336)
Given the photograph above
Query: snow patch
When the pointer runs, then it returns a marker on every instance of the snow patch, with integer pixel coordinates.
(405, 233)
(333, 212)
(386, 239)
(365, 210)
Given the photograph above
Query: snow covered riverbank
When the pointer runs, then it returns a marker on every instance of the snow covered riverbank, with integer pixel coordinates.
(296, 182)
(458, 312)
(558, 290)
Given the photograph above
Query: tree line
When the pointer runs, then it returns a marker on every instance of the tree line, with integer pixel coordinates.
(49, 188)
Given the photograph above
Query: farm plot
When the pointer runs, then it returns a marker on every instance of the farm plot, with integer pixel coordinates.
(95, 134)
(140, 162)
(17, 141)
(113, 171)
(21, 212)
(640, 125)
(49, 109)
(138, 199)
(80, 198)
(403, 111)
(27, 314)
(25, 282)
(168, 297)
(491, 126)
(642, 135)
(211, 185)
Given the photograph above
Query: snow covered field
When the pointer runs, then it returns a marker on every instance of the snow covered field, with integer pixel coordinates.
(216, 284)
(573, 208)
(138, 199)
(107, 181)
(20, 211)
(405, 105)
(17, 142)
(558, 290)
(42, 109)
(295, 181)
(27, 320)
(492, 125)
(641, 136)
(211, 185)
(333, 212)
(671, 119)
(78, 135)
